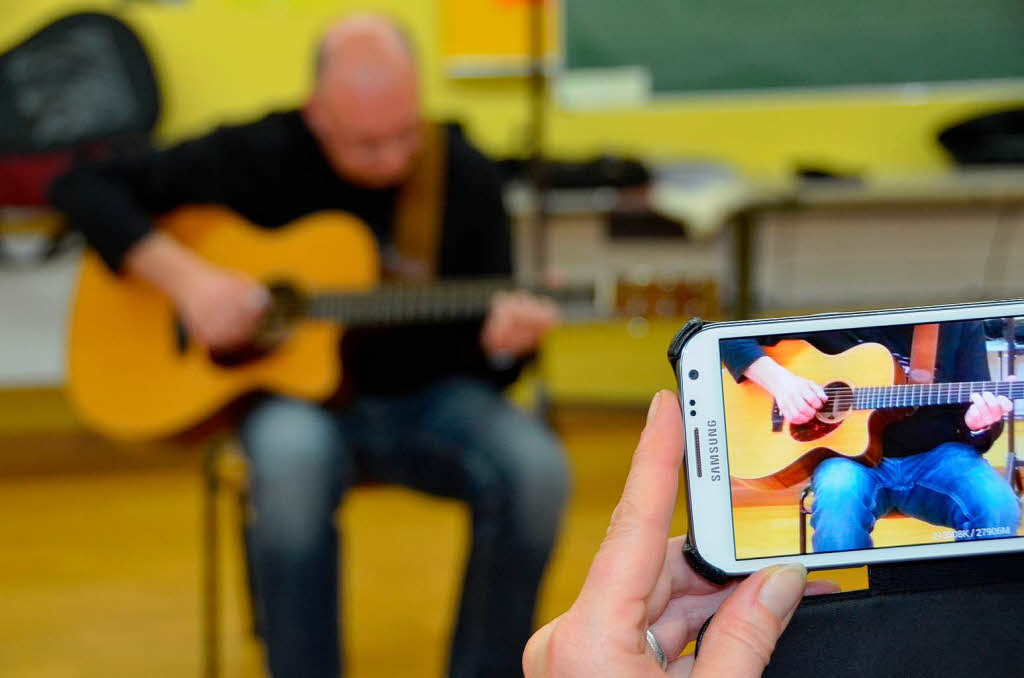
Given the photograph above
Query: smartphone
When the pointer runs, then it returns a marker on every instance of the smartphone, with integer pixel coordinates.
(815, 439)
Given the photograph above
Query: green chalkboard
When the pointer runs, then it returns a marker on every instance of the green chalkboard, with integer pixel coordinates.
(721, 45)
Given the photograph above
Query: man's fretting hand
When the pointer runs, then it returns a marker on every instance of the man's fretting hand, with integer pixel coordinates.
(516, 323)
(986, 409)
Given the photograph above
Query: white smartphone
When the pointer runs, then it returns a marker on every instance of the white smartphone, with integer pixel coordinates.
(814, 439)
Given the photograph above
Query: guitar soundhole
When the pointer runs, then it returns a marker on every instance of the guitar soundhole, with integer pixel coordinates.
(840, 402)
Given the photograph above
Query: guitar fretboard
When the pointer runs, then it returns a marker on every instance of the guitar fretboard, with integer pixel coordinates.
(920, 395)
(438, 302)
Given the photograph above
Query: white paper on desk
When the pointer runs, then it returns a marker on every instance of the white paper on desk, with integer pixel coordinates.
(700, 196)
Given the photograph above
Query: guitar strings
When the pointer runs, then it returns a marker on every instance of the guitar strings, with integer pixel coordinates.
(892, 395)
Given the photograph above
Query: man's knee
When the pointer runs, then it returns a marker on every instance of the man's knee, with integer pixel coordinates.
(842, 512)
(298, 468)
(999, 511)
(528, 471)
(285, 436)
(841, 480)
(541, 489)
(545, 477)
(983, 498)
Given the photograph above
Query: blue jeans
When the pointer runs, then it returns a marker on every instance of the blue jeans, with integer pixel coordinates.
(952, 485)
(457, 438)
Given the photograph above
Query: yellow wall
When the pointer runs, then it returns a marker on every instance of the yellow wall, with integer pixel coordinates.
(230, 59)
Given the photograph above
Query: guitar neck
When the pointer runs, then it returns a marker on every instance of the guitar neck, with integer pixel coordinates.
(402, 304)
(920, 395)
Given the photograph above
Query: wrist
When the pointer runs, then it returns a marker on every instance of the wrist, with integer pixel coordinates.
(771, 375)
(171, 268)
(189, 279)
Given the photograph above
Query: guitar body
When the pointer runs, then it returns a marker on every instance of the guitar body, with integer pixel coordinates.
(131, 374)
(768, 454)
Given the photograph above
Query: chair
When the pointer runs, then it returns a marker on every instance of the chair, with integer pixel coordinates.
(80, 88)
(223, 466)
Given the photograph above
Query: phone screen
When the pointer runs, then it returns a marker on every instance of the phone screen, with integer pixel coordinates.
(872, 437)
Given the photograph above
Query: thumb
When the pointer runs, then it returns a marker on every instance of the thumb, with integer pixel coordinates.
(741, 637)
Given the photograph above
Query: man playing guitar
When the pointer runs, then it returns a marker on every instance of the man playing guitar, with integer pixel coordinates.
(931, 466)
(423, 406)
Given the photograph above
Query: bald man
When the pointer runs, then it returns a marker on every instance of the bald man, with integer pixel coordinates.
(425, 409)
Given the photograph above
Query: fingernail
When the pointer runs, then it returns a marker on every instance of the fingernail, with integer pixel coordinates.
(653, 409)
(782, 591)
(822, 585)
(260, 298)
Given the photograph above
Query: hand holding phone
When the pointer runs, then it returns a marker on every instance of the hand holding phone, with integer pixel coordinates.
(640, 582)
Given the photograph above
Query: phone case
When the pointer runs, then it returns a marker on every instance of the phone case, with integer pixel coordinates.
(675, 347)
(693, 557)
(934, 617)
(701, 566)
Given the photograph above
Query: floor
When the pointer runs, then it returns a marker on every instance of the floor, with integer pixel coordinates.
(101, 576)
(100, 569)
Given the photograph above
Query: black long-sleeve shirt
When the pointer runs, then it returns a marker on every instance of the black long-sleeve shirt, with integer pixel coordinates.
(961, 356)
(272, 171)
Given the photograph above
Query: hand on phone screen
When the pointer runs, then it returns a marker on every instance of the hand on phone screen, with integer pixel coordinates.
(799, 399)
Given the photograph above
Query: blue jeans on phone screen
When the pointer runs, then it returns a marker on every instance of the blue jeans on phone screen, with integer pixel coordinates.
(951, 485)
(457, 438)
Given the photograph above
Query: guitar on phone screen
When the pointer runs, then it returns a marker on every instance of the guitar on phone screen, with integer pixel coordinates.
(866, 390)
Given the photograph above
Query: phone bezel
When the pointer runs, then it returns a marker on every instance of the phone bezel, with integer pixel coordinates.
(709, 501)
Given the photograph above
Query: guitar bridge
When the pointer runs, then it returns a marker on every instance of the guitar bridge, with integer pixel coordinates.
(776, 417)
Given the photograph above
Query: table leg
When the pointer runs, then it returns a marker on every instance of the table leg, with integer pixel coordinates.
(744, 304)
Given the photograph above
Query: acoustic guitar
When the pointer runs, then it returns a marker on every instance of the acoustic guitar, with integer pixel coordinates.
(134, 373)
(866, 389)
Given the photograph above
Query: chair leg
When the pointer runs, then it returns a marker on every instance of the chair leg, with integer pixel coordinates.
(255, 601)
(210, 603)
(804, 512)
